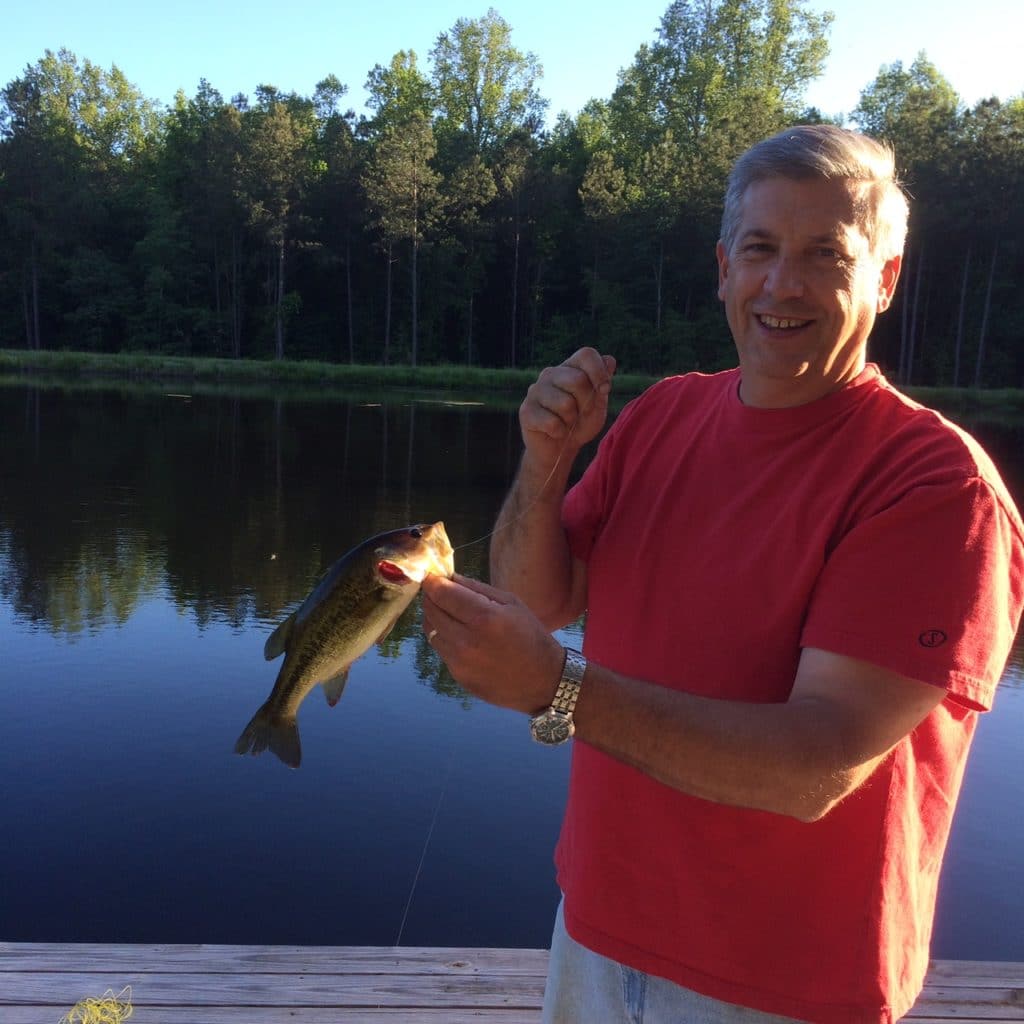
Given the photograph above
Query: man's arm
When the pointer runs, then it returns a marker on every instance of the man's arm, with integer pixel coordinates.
(797, 758)
(563, 410)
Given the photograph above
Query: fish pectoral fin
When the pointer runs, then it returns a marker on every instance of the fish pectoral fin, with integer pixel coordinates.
(386, 632)
(278, 640)
(335, 686)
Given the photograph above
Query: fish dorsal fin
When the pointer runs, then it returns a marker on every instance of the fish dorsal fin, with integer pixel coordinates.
(335, 686)
(278, 640)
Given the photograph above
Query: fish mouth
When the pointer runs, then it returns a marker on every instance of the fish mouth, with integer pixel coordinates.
(393, 573)
(418, 552)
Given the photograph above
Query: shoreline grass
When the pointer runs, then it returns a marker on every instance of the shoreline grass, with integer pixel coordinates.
(137, 365)
(309, 377)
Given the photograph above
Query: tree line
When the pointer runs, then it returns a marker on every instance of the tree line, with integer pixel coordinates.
(448, 223)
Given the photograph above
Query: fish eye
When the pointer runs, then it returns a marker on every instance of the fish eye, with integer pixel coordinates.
(415, 533)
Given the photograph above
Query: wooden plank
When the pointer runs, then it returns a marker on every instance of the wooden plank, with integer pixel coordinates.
(231, 984)
(320, 1015)
(368, 959)
(976, 973)
(247, 989)
(164, 959)
(961, 1001)
(288, 1014)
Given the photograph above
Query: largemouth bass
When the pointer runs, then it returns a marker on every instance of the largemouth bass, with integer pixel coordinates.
(354, 605)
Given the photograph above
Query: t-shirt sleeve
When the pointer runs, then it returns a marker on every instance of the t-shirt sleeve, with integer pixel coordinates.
(930, 587)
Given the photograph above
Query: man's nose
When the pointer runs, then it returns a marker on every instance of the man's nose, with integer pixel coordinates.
(785, 278)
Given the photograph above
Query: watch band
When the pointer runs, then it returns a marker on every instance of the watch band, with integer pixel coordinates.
(568, 690)
(554, 725)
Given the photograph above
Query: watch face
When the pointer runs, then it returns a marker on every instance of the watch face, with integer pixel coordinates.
(551, 728)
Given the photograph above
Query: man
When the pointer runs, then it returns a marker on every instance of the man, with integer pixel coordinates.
(801, 588)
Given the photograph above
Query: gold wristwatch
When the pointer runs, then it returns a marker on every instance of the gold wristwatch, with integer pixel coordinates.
(554, 725)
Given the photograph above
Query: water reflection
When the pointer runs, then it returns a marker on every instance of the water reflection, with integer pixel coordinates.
(233, 507)
(1013, 677)
(149, 543)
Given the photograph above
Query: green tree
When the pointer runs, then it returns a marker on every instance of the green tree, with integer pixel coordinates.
(169, 314)
(603, 194)
(73, 136)
(720, 75)
(917, 112)
(336, 201)
(401, 186)
(465, 193)
(514, 170)
(200, 170)
(656, 193)
(37, 162)
(914, 109)
(485, 87)
(397, 92)
(277, 136)
(993, 143)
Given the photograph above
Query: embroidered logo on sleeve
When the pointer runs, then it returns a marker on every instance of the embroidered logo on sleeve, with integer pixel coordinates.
(932, 638)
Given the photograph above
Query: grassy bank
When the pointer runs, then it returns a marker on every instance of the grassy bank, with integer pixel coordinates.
(292, 377)
(269, 374)
(995, 403)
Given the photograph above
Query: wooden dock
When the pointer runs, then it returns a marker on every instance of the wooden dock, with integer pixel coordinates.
(204, 984)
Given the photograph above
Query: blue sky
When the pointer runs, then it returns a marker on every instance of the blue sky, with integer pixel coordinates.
(581, 44)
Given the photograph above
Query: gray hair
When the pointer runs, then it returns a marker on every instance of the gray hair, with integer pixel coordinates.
(824, 151)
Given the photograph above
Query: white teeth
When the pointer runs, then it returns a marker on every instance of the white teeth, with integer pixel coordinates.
(771, 321)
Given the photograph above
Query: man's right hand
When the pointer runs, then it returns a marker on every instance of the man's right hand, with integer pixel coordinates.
(566, 407)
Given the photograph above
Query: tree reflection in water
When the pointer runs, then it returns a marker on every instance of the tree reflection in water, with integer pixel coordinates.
(149, 542)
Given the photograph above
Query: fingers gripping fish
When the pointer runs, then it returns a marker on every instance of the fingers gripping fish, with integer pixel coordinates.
(354, 605)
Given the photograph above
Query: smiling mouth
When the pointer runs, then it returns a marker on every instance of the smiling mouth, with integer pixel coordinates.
(780, 323)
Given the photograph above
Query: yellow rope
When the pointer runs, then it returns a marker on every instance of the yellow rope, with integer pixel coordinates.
(108, 1009)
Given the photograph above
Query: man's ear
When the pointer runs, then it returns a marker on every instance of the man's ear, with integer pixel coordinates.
(887, 279)
(723, 268)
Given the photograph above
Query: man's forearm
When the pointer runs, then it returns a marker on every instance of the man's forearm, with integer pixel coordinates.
(772, 757)
(529, 552)
(564, 409)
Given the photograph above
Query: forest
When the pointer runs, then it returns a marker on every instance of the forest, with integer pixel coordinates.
(453, 222)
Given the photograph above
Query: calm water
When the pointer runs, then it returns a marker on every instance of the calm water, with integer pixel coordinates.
(148, 544)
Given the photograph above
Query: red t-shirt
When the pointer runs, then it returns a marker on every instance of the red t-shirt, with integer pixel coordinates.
(720, 540)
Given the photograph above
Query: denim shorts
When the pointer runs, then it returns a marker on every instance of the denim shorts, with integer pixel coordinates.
(586, 988)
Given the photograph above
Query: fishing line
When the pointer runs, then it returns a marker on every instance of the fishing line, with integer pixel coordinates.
(451, 755)
(426, 844)
(519, 515)
(108, 1009)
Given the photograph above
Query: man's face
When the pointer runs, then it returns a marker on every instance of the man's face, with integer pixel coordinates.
(801, 289)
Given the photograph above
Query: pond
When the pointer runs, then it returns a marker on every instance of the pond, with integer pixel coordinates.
(150, 541)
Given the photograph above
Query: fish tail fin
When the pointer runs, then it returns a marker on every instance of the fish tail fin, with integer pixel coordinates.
(274, 730)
